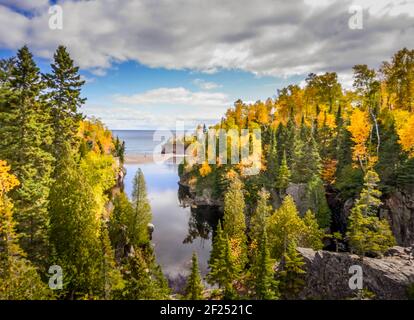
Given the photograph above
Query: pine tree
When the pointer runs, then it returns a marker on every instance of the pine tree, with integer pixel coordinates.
(25, 137)
(272, 159)
(217, 248)
(223, 269)
(194, 289)
(284, 226)
(259, 217)
(366, 232)
(142, 211)
(313, 235)
(234, 225)
(291, 274)
(283, 176)
(315, 194)
(265, 284)
(64, 85)
(19, 280)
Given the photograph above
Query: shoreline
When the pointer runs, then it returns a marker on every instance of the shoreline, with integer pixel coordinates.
(143, 158)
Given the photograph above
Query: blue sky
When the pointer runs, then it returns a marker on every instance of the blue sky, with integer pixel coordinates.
(149, 64)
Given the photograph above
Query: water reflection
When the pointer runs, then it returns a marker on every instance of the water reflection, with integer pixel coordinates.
(179, 229)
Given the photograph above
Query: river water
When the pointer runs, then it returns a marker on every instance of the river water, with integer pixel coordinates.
(179, 231)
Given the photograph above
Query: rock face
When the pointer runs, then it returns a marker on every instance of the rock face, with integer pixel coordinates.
(399, 210)
(327, 274)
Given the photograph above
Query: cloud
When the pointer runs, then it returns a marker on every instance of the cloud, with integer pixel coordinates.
(175, 96)
(206, 85)
(265, 37)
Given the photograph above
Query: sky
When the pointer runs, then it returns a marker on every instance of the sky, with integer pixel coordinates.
(148, 64)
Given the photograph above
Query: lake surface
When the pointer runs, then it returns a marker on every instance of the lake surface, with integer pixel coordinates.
(178, 231)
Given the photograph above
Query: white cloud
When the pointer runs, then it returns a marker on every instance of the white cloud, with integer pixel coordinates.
(175, 96)
(26, 4)
(266, 37)
(206, 85)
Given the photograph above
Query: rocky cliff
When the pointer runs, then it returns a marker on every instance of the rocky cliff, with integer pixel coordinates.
(327, 274)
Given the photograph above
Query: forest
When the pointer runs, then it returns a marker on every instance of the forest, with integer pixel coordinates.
(62, 201)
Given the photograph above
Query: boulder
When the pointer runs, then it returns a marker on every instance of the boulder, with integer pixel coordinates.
(327, 274)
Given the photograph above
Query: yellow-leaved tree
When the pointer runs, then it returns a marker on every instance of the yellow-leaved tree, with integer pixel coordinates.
(360, 128)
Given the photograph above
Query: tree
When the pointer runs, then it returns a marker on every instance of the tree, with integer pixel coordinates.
(75, 230)
(360, 129)
(259, 217)
(315, 194)
(223, 269)
(284, 226)
(291, 274)
(194, 289)
(25, 138)
(272, 159)
(19, 280)
(265, 284)
(64, 85)
(283, 176)
(234, 225)
(138, 231)
(313, 234)
(366, 232)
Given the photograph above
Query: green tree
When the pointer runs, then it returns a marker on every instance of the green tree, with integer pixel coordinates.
(259, 216)
(292, 273)
(315, 194)
(284, 227)
(366, 232)
(194, 289)
(25, 137)
(223, 269)
(19, 279)
(234, 225)
(283, 175)
(142, 216)
(313, 234)
(265, 284)
(64, 97)
(75, 230)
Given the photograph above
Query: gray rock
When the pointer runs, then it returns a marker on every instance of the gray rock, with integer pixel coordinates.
(327, 274)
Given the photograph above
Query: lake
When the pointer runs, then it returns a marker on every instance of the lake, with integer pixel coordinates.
(178, 231)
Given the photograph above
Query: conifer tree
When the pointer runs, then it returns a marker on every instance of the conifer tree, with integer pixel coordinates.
(265, 284)
(259, 217)
(142, 215)
(283, 176)
(313, 234)
(64, 85)
(366, 232)
(284, 226)
(292, 273)
(223, 269)
(194, 289)
(25, 136)
(234, 225)
(217, 248)
(315, 194)
(19, 280)
(272, 159)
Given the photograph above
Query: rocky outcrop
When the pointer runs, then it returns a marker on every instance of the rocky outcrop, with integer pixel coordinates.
(327, 274)
(398, 208)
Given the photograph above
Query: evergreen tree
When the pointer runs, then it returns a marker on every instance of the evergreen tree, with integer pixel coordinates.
(234, 225)
(272, 159)
(19, 280)
(366, 232)
(265, 284)
(283, 176)
(217, 248)
(315, 194)
(284, 226)
(142, 216)
(25, 136)
(194, 289)
(291, 274)
(64, 85)
(313, 235)
(223, 269)
(259, 217)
